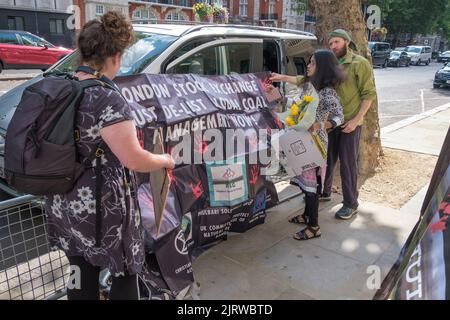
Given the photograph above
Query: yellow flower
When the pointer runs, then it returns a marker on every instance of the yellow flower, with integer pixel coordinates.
(294, 110)
(308, 99)
(290, 122)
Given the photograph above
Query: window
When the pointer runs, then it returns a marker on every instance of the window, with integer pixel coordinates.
(186, 48)
(135, 59)
(33, 41)
(271, 10)
(205, 62)
(8, 38)
(56, 26)
(238, 58)
(184, 3)
(16, 23)
(137, 14)
(243, 4)
(99, 9)
(176, 16)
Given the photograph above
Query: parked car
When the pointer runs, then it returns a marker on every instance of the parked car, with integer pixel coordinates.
(442, 77)
(380, 52)
(200, 49)
(24, 50)
(419, 54)
(444, 56)
(399, 59)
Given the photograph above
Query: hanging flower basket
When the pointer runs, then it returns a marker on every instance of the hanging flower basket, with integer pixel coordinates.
(208, 13)
(203, 11)
(221, 14)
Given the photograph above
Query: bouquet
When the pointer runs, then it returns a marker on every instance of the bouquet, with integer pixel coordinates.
(301, 115)
(297, 111)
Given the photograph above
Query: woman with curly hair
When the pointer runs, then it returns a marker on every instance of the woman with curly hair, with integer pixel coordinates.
(98, 225)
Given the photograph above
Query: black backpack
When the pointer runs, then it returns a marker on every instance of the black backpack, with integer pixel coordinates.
(41, 156)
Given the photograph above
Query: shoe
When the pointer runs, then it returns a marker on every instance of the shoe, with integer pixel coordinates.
(324, 198)
(345, 213)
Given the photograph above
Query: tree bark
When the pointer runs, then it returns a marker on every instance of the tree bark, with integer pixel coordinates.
(348, 15)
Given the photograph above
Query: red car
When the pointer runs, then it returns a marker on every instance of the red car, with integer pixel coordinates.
(23, 50)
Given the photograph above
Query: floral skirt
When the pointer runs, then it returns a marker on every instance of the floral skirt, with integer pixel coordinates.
(311, 180)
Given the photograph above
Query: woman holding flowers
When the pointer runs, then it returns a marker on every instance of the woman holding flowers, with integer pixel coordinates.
(324, 74)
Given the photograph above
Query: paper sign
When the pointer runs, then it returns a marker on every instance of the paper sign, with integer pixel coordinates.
(298, 152)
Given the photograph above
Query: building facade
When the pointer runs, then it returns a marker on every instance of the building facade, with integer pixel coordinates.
(161, 10)
(47, 19)
(292, 19)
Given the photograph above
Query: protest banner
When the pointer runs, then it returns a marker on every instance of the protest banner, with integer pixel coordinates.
(218, 129)
(422, 271)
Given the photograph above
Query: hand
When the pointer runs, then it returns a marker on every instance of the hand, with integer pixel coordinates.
(170, 163)
(269, 88)
(315, 127)
(276, 77)
(350, 126)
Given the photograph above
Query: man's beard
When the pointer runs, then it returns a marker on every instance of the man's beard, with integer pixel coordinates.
(341, 53)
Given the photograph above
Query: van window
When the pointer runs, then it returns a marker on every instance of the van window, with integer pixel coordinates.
(204, 62)
(8, 38)
(135, 59)
(238, 58)
(186, 48)
(413, 49)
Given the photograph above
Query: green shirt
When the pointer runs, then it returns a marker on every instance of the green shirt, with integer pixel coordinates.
(359, 86)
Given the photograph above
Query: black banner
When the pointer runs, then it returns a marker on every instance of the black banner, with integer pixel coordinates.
(218, 129)
(422, 271)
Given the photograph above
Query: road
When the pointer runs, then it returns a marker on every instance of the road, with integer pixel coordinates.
(405, 92)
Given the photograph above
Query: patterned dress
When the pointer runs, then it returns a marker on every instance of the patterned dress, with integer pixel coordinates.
(329, 108)
(71, 217)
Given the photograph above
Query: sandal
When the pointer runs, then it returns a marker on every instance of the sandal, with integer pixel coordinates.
(299, 219)
(308, 233)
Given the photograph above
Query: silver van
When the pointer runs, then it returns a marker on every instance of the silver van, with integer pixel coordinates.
(199, 49)
(419, 54)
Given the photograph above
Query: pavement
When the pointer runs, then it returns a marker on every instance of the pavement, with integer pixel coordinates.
(267, 263)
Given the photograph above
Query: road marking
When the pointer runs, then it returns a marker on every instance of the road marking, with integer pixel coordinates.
(402, 100)
(396, 116)
(410, 120)
(423, 101)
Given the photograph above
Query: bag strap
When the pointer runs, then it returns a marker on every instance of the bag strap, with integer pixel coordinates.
(100, 151)
(98, 195)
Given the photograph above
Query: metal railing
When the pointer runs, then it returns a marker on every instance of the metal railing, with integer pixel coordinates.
(28, 270)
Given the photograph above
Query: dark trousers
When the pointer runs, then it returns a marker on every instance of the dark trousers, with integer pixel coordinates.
(345, 147)
(312, 203)
(122, 288)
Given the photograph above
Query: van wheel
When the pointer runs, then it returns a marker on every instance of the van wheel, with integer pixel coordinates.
(428, 62)
(418, 62)
(436, 86)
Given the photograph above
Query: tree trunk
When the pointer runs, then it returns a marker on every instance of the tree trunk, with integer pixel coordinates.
(347, 14)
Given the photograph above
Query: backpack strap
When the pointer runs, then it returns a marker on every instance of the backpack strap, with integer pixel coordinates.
(98, 154)
(98, 194)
